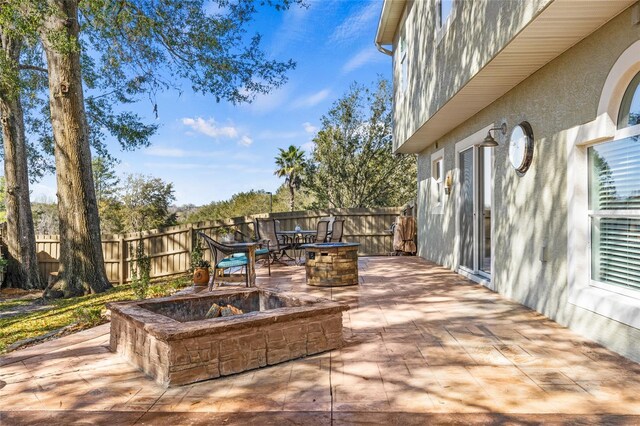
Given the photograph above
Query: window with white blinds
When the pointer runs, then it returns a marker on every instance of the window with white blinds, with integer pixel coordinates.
(614, 198)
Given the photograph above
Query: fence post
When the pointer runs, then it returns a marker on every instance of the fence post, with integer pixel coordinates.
(123, 256)
(189, 244)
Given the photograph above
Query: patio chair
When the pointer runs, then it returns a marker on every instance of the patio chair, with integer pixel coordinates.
(266, 230)
(224, 257)
(337, 231)
(261, 253)
(330, 220)
(322, 230)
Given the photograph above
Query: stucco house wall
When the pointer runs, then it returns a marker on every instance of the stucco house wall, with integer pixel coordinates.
(531, 213)
(441, 61)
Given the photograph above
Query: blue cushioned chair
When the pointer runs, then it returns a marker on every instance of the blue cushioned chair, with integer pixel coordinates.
(261, 253)
(227, 256)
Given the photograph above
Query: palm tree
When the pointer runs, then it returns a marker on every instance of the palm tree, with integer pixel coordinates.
(291, 166)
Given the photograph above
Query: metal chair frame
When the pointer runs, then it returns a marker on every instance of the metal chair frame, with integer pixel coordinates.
(263, 243)
(219, 252)
(275, 245)
(322, 231)
(337, 231)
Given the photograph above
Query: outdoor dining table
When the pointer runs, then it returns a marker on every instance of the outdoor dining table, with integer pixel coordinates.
(296, 238)
(249, 249)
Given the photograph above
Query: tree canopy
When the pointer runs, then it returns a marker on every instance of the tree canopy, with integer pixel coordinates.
(145, 203)
(352, 164)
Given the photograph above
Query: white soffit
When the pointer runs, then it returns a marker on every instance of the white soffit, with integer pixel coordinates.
(389, 21)
(557, 28)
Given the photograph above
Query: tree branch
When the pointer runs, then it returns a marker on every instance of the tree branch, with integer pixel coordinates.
(33, 68)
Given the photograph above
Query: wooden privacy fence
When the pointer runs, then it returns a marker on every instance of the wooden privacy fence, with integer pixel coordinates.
(170, 248)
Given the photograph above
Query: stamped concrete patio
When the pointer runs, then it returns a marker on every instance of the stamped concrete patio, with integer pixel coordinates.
(423, 345)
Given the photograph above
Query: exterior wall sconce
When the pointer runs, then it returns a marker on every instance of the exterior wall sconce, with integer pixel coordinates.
(489, 141)
(448, 182)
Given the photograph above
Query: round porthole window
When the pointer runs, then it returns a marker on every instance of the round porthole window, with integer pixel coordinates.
(521, 147)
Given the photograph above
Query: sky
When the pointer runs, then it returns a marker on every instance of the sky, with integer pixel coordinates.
(210, 151)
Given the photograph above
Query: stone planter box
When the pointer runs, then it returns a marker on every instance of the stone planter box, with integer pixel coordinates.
(331, 264)
(171, 341)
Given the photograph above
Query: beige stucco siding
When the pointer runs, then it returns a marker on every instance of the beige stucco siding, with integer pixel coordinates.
(530, 212)
(478, 30)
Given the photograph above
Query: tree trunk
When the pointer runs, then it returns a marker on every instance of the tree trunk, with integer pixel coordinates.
(292, 197)
(22, 270)
(81, 268)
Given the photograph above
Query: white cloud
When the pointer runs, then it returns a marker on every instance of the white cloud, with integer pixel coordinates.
(245, 141)
(209, 127)
(363, 57)
(357, 23)
(309, 128)
(311, 100)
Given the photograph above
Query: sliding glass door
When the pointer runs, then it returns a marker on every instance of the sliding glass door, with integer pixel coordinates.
(475, 210)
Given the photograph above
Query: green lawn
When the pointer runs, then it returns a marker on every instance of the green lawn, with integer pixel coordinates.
(63, 312)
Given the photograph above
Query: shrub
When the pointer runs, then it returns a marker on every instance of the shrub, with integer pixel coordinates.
(90, 316)
(158, 290)
(140, 271)
(197, 257)
(180, 283)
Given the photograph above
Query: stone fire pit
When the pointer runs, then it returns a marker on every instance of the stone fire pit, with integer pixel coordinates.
(171, 340)
(331, 264)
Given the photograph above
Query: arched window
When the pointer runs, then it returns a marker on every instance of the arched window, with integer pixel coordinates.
(630, 107)
(614, 200)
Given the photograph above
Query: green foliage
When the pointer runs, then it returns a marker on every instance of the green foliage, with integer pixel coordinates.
(141, 205)
(240, 204)
(158, 290)
(106, 184)
(3, 264)
(89, 316)
(179, 283)
(9, 76)
(23, 20)
(45, 218)
(197, 256)
(140, 271)
(291, 166)
(111, 216)
(305, 199)
(145, 203)
(163, 43)
(352, 164)
(247, 204)
(165, 288)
